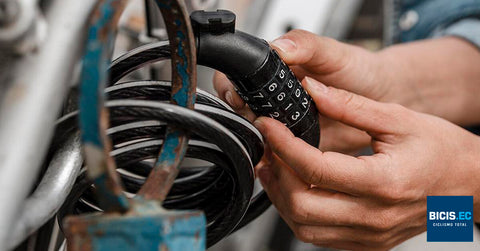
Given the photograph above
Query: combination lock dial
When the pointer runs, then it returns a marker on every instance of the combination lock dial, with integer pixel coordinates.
(260, 77)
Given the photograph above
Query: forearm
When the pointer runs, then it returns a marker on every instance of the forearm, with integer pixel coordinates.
(436, 76)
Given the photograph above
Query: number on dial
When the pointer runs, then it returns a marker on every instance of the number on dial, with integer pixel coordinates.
(267, 105)
(295, 116)
(290, 84)
(272, 87)
(298, 93)
(259, 95)
(305, 103)
(274, 115)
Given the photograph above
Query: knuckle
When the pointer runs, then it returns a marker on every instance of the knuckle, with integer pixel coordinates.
(347, 97)
(418, 222)
(395, 193)
(379, 239)
(384, 221)
(351, 100)
(297, 211)
(314, 178)
(313, 174)
(304, 233)
(381, 225)
(399, 111)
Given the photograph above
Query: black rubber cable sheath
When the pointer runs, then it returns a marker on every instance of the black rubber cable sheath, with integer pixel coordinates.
(223, 189)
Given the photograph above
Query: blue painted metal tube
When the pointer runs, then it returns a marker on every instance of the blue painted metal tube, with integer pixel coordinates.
(140, 229)
(183, 51)
(94, 121)
(93, 115)
(140, 223)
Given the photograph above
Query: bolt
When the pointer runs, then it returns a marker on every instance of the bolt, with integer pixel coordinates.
(9, 11)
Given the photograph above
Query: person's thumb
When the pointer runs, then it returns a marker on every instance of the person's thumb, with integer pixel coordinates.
(355, 110)
(326, 55)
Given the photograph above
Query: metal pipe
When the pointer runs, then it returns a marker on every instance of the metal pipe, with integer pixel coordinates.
(32, 103)
(50, 194)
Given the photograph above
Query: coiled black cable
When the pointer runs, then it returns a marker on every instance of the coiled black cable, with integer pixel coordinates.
(228, 145)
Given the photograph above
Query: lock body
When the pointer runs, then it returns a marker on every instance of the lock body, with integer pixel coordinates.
(284, 99)
(259, 75)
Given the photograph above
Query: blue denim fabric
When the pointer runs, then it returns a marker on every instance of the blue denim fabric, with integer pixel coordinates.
(437, 17)
(468, 29)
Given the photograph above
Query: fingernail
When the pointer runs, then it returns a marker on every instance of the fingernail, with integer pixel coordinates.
(258, 123)
(314, 85)
(284, 44)
(229, 98)
(264, 175)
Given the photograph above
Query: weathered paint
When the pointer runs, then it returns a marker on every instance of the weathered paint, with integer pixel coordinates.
(145, 226)
(93, 116)
(104, 191)
(183, 93)
(168, 154)
(171, 230)
(162, 177)
(183, 76)
(181, 97)
(93, 76)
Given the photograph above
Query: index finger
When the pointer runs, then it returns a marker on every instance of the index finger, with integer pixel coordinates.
(329, 170)
(226, 91)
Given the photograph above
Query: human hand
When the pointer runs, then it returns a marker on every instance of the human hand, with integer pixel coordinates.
(367, 202)
(327, 60)
(418, 75)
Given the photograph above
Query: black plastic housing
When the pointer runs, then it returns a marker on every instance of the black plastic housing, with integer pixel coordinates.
(261, 78)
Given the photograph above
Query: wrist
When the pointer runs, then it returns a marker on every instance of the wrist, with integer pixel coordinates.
(393, 76)
(436, 76)
(403, 81)
(463, 177)
(460, 165)
(475, 177)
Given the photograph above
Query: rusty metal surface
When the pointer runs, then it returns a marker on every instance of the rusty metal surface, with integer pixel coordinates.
(93, 115)
(146, 230)
(139, 223)
(183, 58)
